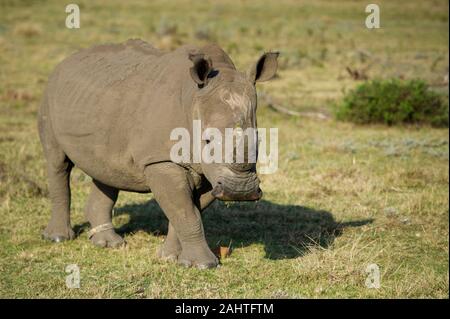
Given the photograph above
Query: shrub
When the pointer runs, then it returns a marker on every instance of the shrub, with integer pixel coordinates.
(393, 102)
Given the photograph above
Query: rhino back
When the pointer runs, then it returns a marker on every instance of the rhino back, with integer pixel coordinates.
(97, 98)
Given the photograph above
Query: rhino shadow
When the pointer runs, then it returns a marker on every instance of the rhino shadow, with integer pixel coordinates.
(286, 231)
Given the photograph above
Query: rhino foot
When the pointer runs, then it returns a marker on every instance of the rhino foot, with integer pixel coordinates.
(169, 250)
(58, 235)
(198, 256)
(107, 238)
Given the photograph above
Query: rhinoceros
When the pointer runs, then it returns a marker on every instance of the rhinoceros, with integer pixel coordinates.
(110, 110)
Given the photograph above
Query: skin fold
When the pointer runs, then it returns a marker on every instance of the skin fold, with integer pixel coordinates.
(110, 110)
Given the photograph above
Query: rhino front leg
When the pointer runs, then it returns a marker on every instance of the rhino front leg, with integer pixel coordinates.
(171, 247)
(205, 200)
(99, 214)
(174, 193)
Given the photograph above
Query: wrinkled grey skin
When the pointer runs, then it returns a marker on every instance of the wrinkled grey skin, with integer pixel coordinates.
(110, 109)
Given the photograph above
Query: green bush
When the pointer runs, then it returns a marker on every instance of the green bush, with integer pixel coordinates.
(393, 102)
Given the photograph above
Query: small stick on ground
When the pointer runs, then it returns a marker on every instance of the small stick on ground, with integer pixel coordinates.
(271, 103)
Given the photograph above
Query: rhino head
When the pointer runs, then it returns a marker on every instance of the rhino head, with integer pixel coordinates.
(226, 98)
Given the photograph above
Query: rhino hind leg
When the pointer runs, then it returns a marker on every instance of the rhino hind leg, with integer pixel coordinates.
(58, 170)
(99, 214)
(59, 167)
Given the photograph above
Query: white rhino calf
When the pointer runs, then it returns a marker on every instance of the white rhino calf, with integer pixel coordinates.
(110, 110)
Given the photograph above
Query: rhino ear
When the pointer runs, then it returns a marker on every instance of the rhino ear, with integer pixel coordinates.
(200, 70)
(265, 68)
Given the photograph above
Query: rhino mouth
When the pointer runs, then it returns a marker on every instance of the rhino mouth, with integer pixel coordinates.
(237, 188)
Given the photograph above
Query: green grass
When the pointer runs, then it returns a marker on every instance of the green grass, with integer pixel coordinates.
(393, 102)
(345, 196)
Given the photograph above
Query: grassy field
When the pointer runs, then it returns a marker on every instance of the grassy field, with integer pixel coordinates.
(344, 197)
